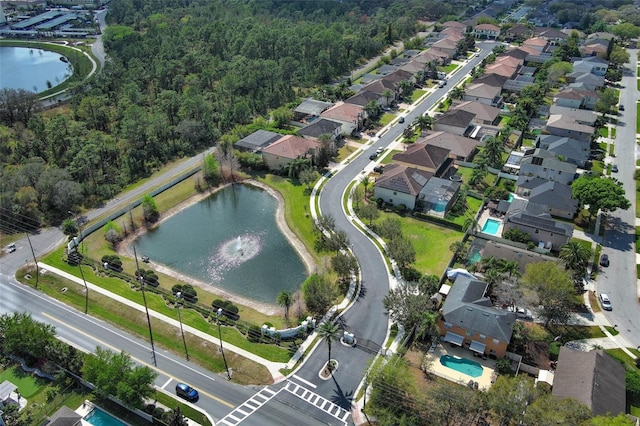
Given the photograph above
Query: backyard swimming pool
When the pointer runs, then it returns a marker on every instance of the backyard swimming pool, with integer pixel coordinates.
(97, 417)
(491, 226)
(462, 365)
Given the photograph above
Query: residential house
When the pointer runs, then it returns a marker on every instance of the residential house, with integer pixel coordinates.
(483, 114)
(534, 220)
(446, 45)
(555, 195)
(309, 108)
(581, 116)
(488, 31)
(547, 165)
(288, 148)
(385, 89)
(456, 121)
(576, 98)
(437, 196)
(502, 69)
(552, 35)
(593, 64)
(400, 185)
(8, 395)
(428, 158)
(520, 52)
(594, 378)
(399, 75)
(454, 24)
(518, 83)
(363, 97)
(350, 116)
(469, 319)
(434, 57)
(483, 93)
(597, 48)
(564, 125)
(65, 416)
(451, 31)
(256, 141)
(537, 43)
(601, 35)
(460, 148)
(492, 80)
(518, 32)
(585, 80)
(571, 150)
(321, 127)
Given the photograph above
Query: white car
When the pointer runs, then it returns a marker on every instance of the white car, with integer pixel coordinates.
(605, 302)
(379, 150)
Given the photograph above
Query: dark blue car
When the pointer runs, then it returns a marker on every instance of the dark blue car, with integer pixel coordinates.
(187, 392)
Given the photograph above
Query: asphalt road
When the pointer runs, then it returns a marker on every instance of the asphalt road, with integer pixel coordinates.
(618, 281)
(366, 318)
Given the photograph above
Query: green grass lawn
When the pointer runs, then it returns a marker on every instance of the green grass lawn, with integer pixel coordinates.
(613, 132)
(417, 94)
(638, 115)
(449, 68)
(604, 132)
(387, 118)
(431, 243)
(28, 384)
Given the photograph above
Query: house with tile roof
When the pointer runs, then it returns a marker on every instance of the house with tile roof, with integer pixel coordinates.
(555, 195)
(469, 319)
(483, 114)
(455, 24)
(492, 80)
(451, 31)
(547, 165)
(432, 56)
(502, 69)
(593, 378)
(363, 97)
(257, 140)
(520, 52)
(535, 220)
(581, 116)
(573, 151)
(456, 121)
(571, 97)
(537, 43)
(428, 158)
(446, 45)
(400, 185)
(564, 125)
(460, 148)
(286, 149)
(484, 93)
(350, 116)
(518, 32)
(552, 35)
(486, 31)
(597, 48)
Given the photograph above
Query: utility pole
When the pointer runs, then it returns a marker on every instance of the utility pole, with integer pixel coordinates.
(146, 308)
(184, 341)
(35, 261)
(218, 315)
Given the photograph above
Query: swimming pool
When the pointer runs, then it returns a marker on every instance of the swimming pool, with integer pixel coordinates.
(475, 256)
(511, 197)
(98, 417)
(491, 226)
(462, 365)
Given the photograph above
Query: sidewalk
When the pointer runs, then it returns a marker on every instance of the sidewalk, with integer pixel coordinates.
(273, 367)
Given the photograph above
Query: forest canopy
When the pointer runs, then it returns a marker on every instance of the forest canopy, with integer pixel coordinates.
(180, 74)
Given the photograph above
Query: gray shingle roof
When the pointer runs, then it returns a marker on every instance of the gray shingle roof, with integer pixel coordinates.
(312, 107)
(319, 128)
(594, 378)
(455, 117)
(64, 417)
(403, 179)
(258, 139)
(466, 306)
(555, 195)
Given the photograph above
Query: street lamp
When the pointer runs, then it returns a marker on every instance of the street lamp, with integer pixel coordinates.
(146, 308)
(79, 261)
(218, 315)
(178, 297)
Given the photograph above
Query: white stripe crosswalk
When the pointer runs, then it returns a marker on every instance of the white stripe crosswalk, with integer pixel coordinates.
(317, 401)
(251, 405)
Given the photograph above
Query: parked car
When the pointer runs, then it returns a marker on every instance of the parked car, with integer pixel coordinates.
(604, 260)
(605, 302)
(620, 107)
(373, 156)
(442, 83)
(378, 169)
(401, 120)
(379, 150)
(11, 248)
(614, 169)
(187, 392)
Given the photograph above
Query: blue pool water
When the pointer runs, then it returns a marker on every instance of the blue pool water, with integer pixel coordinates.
(491, 226)
(461, 365)
(510, 197)
(475, 257)
(97, 417)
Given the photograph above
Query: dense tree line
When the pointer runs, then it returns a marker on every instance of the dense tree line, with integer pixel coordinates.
(181, 74)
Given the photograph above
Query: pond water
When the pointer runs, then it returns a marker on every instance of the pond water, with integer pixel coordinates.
(31, 69)
(229, 240)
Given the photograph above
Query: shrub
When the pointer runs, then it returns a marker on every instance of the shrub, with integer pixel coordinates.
(554, 350)
(254, 334)
(148, 276)
(228, 309)
(503, 366)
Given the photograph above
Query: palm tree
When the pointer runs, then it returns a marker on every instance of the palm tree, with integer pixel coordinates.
(428, 325)
(423, 122)
(470, 225)
(492, 151)
(575, 255)
(366, 181)
(328, 331)
(511, 268)
(388, 94)
(457, 93)
(285, 300)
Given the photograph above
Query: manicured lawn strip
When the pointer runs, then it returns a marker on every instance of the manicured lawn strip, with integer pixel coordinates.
(345, 151)
(386, 118)
(417, 94)
(612, 330)
(449, 68)
(604, 132)
(613, 132)
(638, 115)
(186, 410)
(157, 303)
(637, 238)
(593, 301)
(387, 156)
(597, 167)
